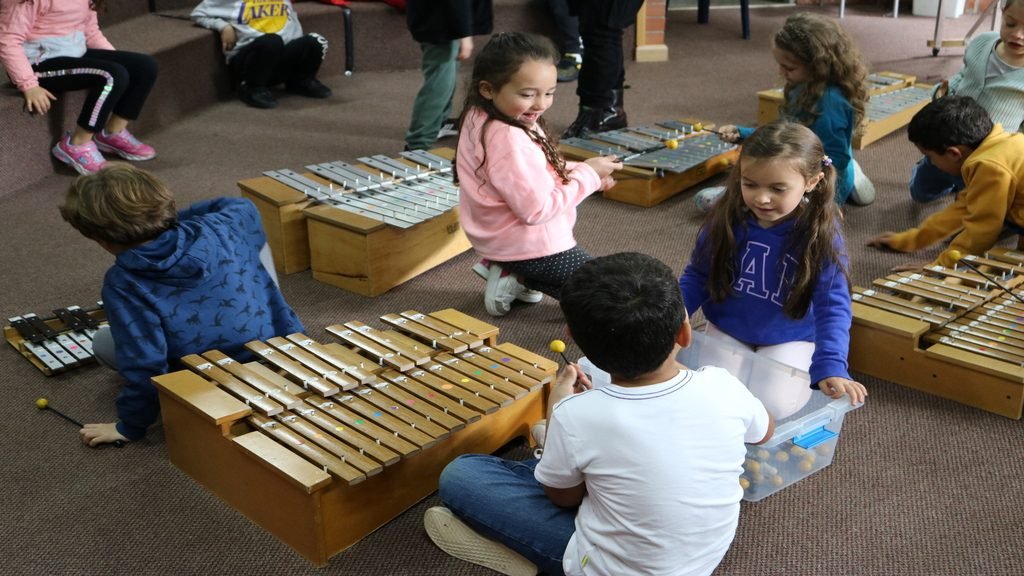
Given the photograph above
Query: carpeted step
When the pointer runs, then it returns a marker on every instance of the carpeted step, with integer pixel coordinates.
(193, 74)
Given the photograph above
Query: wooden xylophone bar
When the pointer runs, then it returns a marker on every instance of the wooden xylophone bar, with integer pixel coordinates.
(327, 442)
(947, 331)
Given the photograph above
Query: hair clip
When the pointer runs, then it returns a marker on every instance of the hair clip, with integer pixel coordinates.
(826, 161)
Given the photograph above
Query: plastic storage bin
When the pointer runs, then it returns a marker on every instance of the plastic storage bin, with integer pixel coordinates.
(802, 444)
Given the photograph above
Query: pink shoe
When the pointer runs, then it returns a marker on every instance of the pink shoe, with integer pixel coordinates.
(84, 158)
(124, 144)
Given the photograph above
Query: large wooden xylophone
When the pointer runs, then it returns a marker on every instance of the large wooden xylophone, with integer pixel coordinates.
(322, 444)
(653, 171)
(947, 331)
(59, 343)
(366, 226)
(893, 101)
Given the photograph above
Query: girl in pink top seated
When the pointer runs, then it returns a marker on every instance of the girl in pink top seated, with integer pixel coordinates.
(517, 194)
(49, 46)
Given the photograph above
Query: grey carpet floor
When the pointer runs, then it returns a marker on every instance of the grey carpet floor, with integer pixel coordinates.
(919, 486)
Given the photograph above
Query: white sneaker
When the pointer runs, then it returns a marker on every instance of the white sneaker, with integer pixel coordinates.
(459, 540)
(449, 127)
(863, 190)
(530, 296)
(539, 431)
(707, 197)
(501, 291)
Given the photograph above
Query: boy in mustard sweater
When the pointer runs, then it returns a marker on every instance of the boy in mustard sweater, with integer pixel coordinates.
(958, 137)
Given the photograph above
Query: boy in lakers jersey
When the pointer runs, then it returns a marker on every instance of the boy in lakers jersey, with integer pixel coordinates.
(264, 46)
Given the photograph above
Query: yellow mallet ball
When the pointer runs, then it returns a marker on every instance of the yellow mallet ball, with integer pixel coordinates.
(744, 483)
(806, 465)
(672, 144)
(42, 403)
(557, 346)
(698, 127)
(955, 255)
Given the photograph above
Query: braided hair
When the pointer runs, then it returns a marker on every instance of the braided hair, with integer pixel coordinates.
(496, 63)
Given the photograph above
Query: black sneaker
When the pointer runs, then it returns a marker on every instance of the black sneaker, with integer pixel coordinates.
(256, 96)
(569, 67)
(310, 87)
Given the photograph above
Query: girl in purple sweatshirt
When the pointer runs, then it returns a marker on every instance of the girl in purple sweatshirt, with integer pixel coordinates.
(517, 194)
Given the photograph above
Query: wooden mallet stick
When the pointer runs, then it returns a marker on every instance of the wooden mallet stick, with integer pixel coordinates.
(44, 404)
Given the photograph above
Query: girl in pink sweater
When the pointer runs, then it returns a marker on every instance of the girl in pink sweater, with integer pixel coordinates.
(517, 194)
(49, 46)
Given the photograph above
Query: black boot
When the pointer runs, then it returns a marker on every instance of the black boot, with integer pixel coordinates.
(591, 120)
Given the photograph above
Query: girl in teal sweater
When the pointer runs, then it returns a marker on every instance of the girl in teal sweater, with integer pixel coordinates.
(824, 74)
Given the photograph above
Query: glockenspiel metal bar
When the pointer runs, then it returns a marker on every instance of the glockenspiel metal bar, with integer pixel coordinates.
(623, 138)
(396, 168)
(72, 346)
(350, 177)
(44, 356)
(884, 80)
(682, 127)
(597, 147)
(430, 194)
(317, 191)
(346, 178)
(692, 151)
(656, 132)
(886, 104)
(430, 160)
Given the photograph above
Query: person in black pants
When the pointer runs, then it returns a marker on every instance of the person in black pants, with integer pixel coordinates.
(603, 74)
(264, 46)
(567, 28)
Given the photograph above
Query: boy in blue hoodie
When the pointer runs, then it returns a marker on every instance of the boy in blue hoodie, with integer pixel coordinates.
(182, 283)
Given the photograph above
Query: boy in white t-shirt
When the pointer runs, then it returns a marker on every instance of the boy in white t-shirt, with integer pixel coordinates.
(636, 477)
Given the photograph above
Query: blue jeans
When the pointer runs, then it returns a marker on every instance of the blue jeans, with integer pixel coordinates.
(501, 500)
(928, 183)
